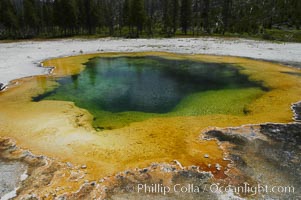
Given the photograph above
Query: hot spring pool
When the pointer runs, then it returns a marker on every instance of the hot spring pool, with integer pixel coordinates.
(127, 89)
(152, 107)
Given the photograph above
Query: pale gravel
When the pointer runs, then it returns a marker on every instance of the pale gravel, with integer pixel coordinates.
(21, 59)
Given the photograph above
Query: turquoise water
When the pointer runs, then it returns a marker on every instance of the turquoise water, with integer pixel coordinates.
(143, 84)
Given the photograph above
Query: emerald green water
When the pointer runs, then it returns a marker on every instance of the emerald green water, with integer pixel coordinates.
(118, 91)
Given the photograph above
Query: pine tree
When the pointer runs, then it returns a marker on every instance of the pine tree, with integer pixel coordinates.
(8, 18)
(296, 13)
(167, 17)
(175, 15)
(30, 17)
(109, 16)
(205, 16)
(92, 16)
(126, 14)
(226, 15)
(186, 13)
(66, 15)
(24, 18)
(48, 20)
(137, 15)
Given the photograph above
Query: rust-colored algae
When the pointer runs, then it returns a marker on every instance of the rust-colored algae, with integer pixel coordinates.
(61, 130)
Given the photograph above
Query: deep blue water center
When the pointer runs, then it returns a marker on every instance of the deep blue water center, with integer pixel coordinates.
(146, 84)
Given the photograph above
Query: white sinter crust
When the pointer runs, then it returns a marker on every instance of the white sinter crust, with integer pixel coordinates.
(21, 59)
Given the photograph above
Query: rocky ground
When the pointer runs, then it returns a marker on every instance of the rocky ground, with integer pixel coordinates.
(11, 174)
(297, 111)
(266, 154)
(44, 173)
